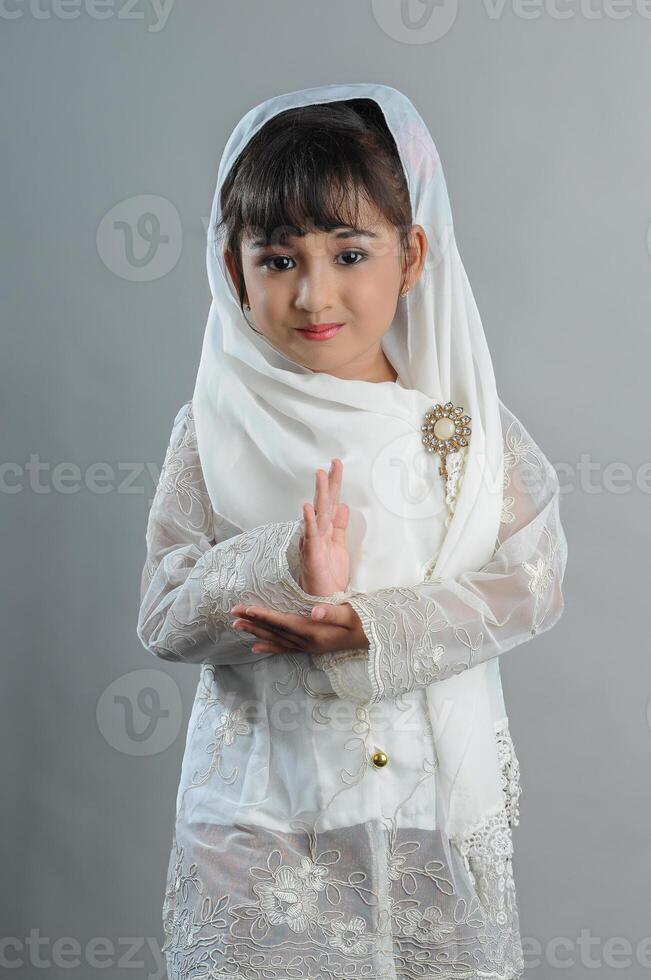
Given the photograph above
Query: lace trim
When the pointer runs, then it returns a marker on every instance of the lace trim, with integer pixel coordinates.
(488, 855)
(455, 466)
(299, 912)
(510, 772)
(260, 555)
(343, 681)
(301, 915)
(189, 582)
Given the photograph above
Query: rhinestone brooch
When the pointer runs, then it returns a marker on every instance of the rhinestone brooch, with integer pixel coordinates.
(445, 430)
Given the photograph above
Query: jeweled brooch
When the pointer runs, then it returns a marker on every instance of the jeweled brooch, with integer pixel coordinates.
(445, 430)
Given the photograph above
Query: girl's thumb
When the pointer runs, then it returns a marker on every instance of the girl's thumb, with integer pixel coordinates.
(319, 612)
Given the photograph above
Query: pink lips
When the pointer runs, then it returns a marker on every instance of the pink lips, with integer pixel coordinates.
(320, 331)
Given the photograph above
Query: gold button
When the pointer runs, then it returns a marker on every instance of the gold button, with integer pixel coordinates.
(379, 759)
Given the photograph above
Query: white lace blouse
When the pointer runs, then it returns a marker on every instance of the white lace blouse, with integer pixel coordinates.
(304, 844)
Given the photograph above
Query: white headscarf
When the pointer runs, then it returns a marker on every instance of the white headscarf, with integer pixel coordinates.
(264, 425)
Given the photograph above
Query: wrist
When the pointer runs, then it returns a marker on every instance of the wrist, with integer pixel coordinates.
(331, 593)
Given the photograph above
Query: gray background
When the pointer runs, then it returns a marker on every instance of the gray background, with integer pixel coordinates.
(542, 126)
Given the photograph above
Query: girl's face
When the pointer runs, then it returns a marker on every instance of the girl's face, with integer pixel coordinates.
(346, 276)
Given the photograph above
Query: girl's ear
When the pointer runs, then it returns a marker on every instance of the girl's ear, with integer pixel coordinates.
(416, 254)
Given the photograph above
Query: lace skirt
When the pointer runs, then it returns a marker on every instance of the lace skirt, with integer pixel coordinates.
(375, 901)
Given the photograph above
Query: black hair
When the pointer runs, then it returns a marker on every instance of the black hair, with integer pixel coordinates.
(308, 167)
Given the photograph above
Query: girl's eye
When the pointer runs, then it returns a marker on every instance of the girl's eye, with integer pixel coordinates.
(268, 263)
(275, 258)
(353, 251)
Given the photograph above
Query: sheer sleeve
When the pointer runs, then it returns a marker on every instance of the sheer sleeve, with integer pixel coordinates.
(197, 566)
(440, 627)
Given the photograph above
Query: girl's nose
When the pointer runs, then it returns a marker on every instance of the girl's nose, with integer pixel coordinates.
(316, 292)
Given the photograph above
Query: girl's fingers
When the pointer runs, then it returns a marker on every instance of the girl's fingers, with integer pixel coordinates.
(321, 501)
(335, 485)
(339, 524)
(292, 623)
(266, 633)
(309, 517)
(328, 512)
(316, 501)
(266, 630)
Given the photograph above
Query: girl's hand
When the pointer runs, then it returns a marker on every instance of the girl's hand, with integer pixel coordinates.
(324, 557)
(328, 628)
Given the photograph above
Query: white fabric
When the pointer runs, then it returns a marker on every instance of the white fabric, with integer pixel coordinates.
(292, 854)
(245, 898)
(247, 394)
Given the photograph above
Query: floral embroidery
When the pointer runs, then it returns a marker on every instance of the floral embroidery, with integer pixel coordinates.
(218, 578)
(230, 725)
(184, 481)
(188, 590)
(541, 576)
(427, 926)
(426, 662)
(287, 898)
(305, 917)
(507, 516)
(347, 936)
(519, 450)
(379, 900)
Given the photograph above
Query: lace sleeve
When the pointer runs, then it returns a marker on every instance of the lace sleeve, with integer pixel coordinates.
(441, 627)
(190, 579)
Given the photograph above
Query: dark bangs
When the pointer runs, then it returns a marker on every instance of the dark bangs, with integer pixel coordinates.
(309, 169)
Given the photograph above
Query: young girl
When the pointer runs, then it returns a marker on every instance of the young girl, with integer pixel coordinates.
(349, 782)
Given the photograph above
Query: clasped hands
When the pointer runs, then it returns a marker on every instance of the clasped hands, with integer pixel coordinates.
(324, 571)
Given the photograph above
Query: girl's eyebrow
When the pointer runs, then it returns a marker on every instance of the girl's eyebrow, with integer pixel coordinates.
(355, 232)
(260, 243)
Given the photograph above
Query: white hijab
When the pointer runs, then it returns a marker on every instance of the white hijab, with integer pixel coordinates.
(265, 424)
